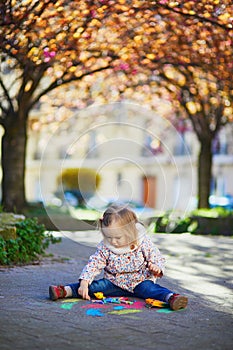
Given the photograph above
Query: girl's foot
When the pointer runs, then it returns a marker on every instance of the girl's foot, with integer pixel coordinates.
(177, 302)
(57, 292)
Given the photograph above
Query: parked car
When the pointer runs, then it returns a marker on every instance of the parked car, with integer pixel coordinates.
(225, 202)
(73, 198)
(221, 201)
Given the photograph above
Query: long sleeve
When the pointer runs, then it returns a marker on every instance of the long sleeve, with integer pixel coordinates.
(95, 265)
(152, 254)
(126, 269)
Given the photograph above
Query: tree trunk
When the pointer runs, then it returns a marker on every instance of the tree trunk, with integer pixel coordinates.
(204, 173)
(13, 164)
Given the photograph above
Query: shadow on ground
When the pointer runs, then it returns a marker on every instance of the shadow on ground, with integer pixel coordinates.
(30, 320)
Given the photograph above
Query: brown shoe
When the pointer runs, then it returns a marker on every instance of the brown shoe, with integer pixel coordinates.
(177, 302)
(57, 292)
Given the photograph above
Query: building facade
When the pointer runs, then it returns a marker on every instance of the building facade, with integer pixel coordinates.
(139, 154)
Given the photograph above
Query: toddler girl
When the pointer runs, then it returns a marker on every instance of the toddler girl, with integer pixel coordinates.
(130, 262)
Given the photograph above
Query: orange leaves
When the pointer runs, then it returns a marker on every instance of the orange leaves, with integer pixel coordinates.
(215, 11)
(193, 107)
(133, 38)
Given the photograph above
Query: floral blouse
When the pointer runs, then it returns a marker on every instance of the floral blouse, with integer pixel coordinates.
(126, 270)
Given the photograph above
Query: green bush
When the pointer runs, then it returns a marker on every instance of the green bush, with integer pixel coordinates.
(217, 212)
(215, 221)
(31, 242)
(172, 224)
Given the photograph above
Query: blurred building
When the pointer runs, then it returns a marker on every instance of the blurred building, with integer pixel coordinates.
(139, 154)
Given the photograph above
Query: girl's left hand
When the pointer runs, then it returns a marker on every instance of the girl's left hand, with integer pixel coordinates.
(157, 272)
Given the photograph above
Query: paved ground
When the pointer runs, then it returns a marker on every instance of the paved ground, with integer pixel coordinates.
(198, 266)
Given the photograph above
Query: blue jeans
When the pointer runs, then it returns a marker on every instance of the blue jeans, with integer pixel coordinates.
(144, 290)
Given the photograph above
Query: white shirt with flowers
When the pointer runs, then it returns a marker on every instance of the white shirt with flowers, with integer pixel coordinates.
(126, 269)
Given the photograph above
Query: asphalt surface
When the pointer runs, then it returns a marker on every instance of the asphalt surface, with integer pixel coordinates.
(200, 267)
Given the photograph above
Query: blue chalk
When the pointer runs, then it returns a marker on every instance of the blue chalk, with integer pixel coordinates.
(94, 312)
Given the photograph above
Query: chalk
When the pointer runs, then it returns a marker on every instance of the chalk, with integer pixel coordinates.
(67, 306)
(74, 300)
(94, 312)
(124, 312)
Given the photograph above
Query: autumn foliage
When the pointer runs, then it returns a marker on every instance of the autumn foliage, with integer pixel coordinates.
(179, 48)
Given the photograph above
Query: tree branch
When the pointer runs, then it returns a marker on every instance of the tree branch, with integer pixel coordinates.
(30, 9)
(57, 83)
(195, 16)
(3, 108)
(11, 107)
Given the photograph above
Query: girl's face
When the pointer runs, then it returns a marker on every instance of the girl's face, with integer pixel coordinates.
(115, 235)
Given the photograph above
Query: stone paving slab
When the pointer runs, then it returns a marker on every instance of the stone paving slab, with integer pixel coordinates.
(199, 266)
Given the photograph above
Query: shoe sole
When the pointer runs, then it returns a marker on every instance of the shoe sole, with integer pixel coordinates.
(179, 303)
(52, 294)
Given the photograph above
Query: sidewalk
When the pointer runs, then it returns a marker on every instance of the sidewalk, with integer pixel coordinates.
(200, 267)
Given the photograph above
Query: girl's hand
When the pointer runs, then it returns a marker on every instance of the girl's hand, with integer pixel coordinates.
(83, 290)
(157, 272)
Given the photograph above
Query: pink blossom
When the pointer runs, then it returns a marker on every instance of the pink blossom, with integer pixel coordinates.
(93, 13)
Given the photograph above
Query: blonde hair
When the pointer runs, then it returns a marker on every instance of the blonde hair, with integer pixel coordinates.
(124, 217)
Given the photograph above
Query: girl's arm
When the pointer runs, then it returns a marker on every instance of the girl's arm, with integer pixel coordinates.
(95, 265)
(155, 260)
(155, 269)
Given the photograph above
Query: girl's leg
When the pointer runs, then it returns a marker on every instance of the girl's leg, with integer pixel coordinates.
(108, 289)
(74, 288)
(64, 291)
(102, 285)
(149, 289)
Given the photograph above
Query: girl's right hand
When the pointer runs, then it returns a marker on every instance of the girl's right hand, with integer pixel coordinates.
(157, 272)
(83, 290)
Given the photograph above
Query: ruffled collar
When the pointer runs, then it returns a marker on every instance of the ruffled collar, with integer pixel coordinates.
(141, 234)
